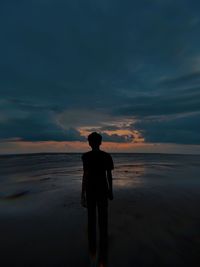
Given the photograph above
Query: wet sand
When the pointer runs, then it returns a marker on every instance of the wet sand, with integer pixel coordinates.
(154, 219)
(148, 226)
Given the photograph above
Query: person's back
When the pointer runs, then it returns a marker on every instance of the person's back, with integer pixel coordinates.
(96, 164)
(96, 189)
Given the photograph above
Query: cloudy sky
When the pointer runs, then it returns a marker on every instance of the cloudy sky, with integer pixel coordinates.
(127, 69)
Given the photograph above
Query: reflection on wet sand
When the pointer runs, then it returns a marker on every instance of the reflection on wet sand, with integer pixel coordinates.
(130, 175)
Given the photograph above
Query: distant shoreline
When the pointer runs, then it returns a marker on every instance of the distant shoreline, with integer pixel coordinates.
(115, 153)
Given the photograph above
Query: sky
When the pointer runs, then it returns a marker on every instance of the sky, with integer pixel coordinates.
(129, 70)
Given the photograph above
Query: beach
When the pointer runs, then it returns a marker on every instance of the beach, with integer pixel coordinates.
(154, 219)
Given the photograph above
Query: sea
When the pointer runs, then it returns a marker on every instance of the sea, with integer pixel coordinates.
(33, 173)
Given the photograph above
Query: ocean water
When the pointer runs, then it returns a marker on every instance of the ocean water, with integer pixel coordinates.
(34, 173)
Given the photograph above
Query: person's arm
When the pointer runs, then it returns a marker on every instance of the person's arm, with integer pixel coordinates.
(83, 192)
(110, 187)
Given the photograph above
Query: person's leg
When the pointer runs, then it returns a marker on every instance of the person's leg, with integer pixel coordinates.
(103, 232)
(91, 206)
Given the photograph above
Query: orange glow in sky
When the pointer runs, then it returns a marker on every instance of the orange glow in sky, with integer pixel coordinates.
(67, 147)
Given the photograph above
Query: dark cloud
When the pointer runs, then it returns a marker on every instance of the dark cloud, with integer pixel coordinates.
(110, 128)
(43, 126)
(104, 128)
(124, 58)
(117, 138)
(168, 104)
(189, 79)
(39, 127)
(179, 130)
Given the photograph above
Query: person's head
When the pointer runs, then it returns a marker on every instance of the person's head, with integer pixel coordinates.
(94, 140)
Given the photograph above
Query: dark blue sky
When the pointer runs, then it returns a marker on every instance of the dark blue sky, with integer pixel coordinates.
(128, 69)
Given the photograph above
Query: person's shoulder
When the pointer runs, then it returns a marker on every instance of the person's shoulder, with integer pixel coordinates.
(108, 160)
(86, 154)
(105, 154)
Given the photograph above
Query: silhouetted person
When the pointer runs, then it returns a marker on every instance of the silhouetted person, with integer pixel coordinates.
(96, 189)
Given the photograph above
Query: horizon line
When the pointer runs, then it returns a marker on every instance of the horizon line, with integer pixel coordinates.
(81, 152)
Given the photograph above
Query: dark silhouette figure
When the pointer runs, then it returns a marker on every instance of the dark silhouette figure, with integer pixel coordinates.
(96, 190)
